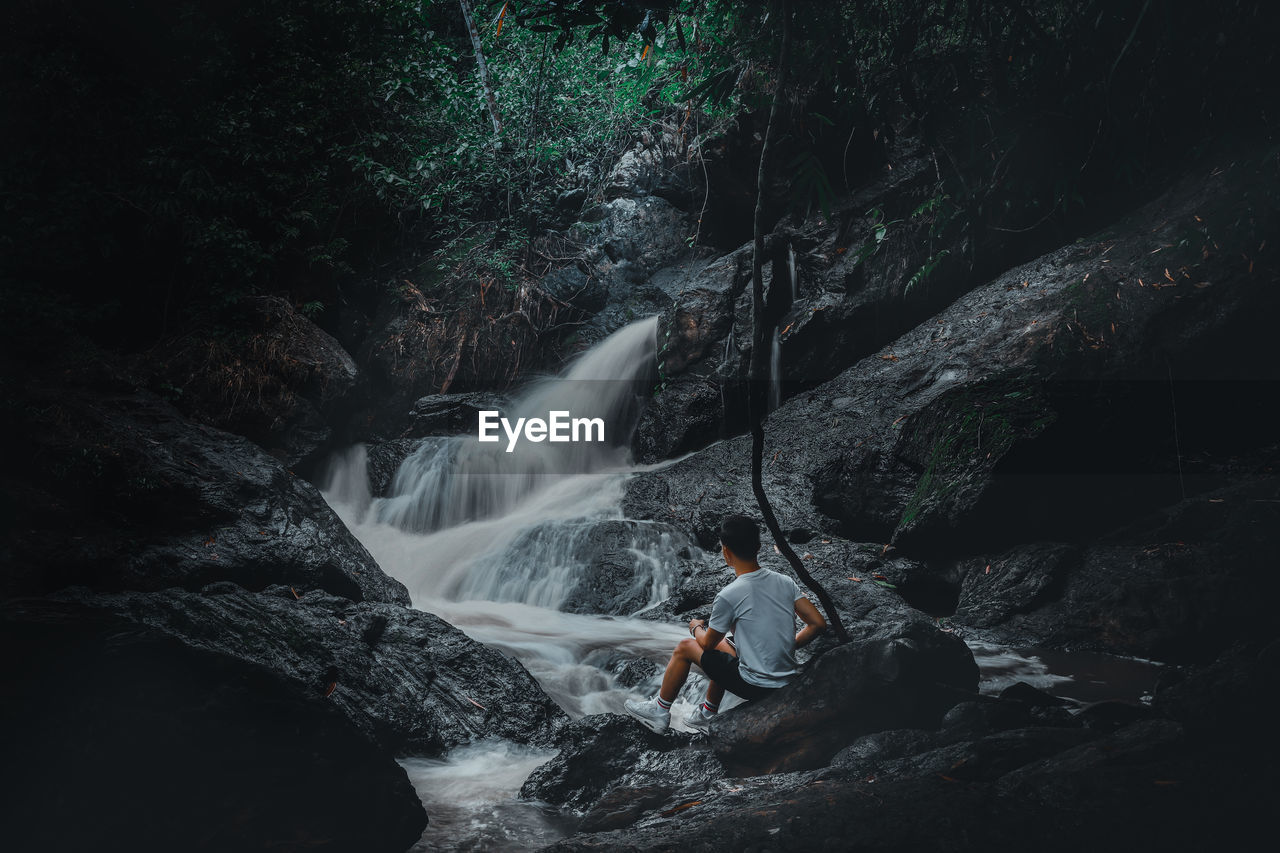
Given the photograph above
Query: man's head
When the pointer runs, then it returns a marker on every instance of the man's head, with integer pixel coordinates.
(740, 538)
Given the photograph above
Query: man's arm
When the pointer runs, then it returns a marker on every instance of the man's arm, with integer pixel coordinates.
(706, 637)
(814, 624)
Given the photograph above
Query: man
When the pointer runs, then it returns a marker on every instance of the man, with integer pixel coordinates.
(759, 606)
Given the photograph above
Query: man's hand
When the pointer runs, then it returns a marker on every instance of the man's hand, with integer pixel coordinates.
(696, 623)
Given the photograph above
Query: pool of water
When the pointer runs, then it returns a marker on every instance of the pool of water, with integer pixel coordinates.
(1080, 677)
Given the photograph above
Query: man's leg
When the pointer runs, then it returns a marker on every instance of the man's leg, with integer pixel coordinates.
(686, 652)
(715, 692)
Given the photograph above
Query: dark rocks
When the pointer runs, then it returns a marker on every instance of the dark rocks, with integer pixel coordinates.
(1026, 694)
(382, 461)
(909, 681)
(965, 430)
(617, 577)
(451, 414)
(595, 752)
(280, 381)
(573, 287)
(148, 500)
(118, 736)
(407, 679)
(1181, 585)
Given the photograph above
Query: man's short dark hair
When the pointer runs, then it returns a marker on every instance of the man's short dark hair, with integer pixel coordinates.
(740, 535)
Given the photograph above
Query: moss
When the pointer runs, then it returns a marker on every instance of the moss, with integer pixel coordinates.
(966, 433)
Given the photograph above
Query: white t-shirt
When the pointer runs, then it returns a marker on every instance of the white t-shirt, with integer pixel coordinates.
(759, 607)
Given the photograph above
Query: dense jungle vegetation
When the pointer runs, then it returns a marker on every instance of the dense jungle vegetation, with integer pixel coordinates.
(161, 161)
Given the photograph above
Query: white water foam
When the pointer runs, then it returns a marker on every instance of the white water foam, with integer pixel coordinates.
(493, 542)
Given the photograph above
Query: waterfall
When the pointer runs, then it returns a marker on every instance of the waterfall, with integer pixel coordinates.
(791, 268)
(497, 542)
(775, 372)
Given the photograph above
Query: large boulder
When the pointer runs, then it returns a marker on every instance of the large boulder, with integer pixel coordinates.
(145, 499)
(865, 686)
(409, 680)
(596, 752)
(975, 428)
(1182, 584)
(120, 737)
(279, 380)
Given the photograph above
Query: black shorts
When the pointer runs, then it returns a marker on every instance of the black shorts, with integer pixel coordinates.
(722, 668)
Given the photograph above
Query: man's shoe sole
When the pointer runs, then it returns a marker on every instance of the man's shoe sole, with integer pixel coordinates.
(648, 724)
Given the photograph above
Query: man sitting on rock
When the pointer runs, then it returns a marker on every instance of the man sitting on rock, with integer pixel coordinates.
(759, 606)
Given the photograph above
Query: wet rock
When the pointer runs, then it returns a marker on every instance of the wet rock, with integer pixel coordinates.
(383, 461)
(979, 424)
(1181, 585)
(1111, 715)
(572, 286)
(1231, 695)
(619, 575)
(451, 414)
(909, 681)
(1018, 581)
(149, 500)
(1026, 694)
(571, 200)
(988, 758)
(408, 680)
(867, 752)
(153, 744)
(595, 752)
(978, 717)
(281, 381)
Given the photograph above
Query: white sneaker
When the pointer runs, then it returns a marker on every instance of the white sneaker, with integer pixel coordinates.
(650, 714)
(699, 721)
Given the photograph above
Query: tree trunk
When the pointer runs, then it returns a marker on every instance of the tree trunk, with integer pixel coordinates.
(482, 69)
(757, 375)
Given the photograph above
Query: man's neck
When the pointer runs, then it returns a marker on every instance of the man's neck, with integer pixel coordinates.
(741, 568)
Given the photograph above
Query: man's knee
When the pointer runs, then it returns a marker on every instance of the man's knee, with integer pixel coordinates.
(689, 649)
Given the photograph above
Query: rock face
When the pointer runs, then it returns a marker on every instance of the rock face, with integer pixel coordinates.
(909, 681)
(281, 382)
(408, 680)
(992, 780)
(119, 737)
(1181, 585)
(977, 425)
(596, 752)
(148, 500)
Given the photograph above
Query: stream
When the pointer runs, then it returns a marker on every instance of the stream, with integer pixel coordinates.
(491, 541)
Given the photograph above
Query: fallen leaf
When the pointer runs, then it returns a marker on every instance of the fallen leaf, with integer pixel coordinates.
(945, 778)
(332, 687)
(889, 357)
(681, 807)
(852, 578)
(295, 592)
(474, 702)
(988, 571)
(1215, 500)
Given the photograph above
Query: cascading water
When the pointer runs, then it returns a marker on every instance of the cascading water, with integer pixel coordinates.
(494, 542)
(775, 372)
(791, 270)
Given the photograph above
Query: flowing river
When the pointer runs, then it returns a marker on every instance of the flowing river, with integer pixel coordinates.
(493, 541)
